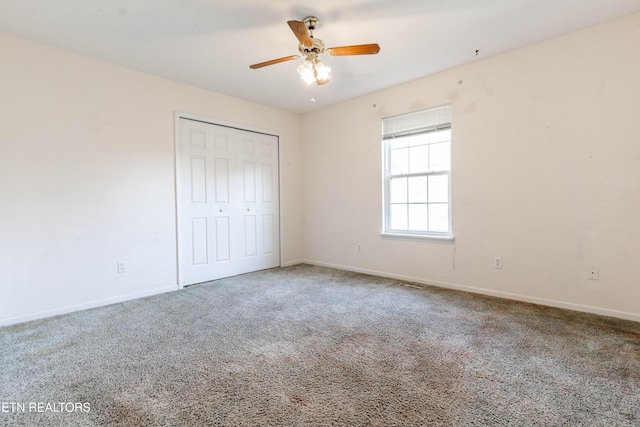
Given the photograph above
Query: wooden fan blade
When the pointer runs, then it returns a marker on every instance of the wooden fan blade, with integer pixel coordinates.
(361, 49)
(273, 61)
(301, 32)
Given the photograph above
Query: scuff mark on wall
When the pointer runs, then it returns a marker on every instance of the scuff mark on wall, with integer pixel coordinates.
(471, 108)
(452, 96)
(484, 82)
(418, 104)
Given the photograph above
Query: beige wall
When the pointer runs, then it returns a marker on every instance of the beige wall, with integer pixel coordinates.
(87, 178)
(546, 174)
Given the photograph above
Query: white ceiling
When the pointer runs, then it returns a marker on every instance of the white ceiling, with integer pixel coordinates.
(211, 43)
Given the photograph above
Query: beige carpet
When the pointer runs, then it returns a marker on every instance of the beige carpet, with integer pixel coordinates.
(311, 346)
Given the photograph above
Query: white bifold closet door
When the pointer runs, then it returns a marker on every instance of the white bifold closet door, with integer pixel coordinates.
(228, 202)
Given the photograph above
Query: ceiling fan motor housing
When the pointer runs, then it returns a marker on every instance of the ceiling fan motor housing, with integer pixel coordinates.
(316, 49)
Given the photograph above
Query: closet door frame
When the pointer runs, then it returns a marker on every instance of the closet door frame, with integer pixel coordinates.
(177, 173)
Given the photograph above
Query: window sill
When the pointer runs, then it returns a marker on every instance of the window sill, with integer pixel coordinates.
(420, 237)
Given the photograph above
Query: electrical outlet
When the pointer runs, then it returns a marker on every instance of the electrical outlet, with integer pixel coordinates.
(359, 247)
(594, 273)
(122, 266)
(497, 262)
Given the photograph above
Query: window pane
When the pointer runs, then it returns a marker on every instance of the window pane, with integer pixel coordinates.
(399, 161)
(418, 217)
(438, 188)
(440, 136)
(439, 156)
(439, 217)
(398, 190)
(420, 139)
(419, 159)
(398, 220)
(418, 189)
(398, 142)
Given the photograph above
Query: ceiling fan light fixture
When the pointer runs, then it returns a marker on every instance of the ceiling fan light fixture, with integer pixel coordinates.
(322, 71)
(314, 71)
(307, 72)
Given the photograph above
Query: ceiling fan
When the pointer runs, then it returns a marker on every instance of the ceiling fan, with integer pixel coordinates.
(312, 70)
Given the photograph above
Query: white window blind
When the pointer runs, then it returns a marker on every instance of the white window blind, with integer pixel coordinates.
(417, 122)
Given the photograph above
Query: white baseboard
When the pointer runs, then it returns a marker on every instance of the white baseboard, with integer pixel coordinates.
(490, 292)
(466, 288)
(93, 304)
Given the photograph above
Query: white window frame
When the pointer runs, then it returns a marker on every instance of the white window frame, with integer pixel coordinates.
(424, 121)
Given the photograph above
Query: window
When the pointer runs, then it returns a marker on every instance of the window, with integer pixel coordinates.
(417, 174)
